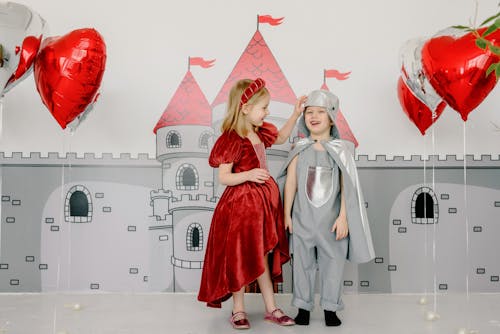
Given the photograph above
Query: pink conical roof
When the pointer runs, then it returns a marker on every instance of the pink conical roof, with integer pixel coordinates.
(258, 61)
(344, 129)
(188, 106)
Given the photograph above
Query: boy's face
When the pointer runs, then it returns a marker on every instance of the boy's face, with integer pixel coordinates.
(317, 120)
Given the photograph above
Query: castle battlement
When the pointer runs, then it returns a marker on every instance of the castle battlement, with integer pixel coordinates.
(161, 193)
(73, 159)
(187, 201)
(436, 161)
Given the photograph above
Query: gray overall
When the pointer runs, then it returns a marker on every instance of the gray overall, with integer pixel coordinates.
(315, 209)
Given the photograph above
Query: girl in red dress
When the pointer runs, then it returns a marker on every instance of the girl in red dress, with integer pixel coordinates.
(247, 224)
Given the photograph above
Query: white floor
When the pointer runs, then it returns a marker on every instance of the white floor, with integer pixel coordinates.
(181, 313)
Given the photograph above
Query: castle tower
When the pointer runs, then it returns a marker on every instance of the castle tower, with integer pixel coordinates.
(183, 138)
(257, 60)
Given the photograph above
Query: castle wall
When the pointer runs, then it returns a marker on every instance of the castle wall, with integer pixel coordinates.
(126, 248)
(387, 184)
(460, 249)
(35, 238)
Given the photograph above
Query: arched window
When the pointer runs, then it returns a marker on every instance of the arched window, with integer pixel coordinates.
(186, 178)
(194, 237)
(174, 139)
(424, 206)
(203, 142)
(78, 205)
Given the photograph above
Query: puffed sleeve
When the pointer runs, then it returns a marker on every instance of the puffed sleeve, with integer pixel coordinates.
(268, 133)
(227, 149)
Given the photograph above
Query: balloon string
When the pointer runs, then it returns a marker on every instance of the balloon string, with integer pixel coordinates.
(1, 217)
(467, 259)
(62, 220)
(425, 233)
(70, 238)
(1, 117)
(434, 226)
(54, 321)
(61, 231)
(473, 22)
(1, 172)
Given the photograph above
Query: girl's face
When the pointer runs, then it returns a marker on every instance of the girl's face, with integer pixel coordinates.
(257, 111)
(317, 121)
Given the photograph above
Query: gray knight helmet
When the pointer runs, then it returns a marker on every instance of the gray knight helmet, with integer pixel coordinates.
(327, 100)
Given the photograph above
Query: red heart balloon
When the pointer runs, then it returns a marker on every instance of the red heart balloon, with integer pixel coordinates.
(68, 72)
(416, 110)
(28, 52)
(456, 69)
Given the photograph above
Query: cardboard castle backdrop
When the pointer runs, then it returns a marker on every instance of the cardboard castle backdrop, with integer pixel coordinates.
(102, 222)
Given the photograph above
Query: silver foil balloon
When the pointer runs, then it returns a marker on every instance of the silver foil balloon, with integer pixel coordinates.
(17, 23)
(413, 74)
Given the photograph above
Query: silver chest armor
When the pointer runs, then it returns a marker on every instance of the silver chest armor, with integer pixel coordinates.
(319, 185)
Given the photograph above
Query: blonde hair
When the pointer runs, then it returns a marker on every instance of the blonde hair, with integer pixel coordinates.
(233, 120)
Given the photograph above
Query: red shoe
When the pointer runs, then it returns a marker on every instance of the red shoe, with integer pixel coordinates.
(284, 320)
(239, 320)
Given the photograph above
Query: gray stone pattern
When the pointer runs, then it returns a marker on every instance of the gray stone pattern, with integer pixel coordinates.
(383, 180)
(27, 182)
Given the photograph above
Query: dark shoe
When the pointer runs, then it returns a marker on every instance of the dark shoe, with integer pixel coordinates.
(283, 320)
(331, 319)
(302, 317)
(239, 320)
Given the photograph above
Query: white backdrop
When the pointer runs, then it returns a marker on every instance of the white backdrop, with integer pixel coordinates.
(149, 42)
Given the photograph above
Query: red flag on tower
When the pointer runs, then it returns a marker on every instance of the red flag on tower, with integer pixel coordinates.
(199, 61)
(269, 19)
(336, 74)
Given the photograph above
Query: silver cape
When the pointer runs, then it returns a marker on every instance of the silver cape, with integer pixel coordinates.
(360, 241)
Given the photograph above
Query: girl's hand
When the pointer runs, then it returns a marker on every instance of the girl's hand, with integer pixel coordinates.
(258, 175)
(288, 224)
(341, 227)
(299, 105)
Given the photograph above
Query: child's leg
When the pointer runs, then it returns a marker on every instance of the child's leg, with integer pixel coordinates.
(331, 260)
(304, 276)
(239, 301)
(266, 288)
(238, 317)
(304, 273)
(273, 313)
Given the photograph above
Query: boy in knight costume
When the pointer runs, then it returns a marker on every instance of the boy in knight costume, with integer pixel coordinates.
(324, 209)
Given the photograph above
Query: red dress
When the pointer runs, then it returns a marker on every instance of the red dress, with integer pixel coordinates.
(247, 223)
